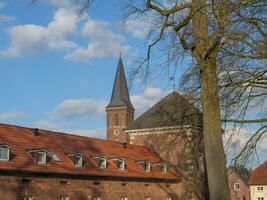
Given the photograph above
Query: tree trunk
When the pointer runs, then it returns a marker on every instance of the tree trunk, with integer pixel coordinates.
(214, 152)
(213, 145)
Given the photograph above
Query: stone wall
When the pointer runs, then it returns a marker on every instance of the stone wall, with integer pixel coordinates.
(18, 187)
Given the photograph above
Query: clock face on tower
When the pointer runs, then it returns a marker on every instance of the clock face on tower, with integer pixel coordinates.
(116, 132)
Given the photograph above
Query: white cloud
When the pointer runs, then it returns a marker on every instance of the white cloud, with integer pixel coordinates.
(137, 27)
(103, 42)
(73, 108)
(66, 128)
(147, 99)
(30, 39)
(12, 115)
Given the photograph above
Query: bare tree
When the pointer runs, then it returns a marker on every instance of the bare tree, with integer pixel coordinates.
(212, 33)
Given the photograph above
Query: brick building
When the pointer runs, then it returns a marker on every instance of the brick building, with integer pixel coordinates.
(238, 183)
(258, 182)
(157, 156)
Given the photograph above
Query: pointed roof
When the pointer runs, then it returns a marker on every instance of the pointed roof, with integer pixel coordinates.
(172, 110)
(120, 95)
(242, 172)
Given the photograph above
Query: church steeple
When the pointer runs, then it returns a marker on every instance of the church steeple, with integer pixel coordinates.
(120, 95)
(120, 111)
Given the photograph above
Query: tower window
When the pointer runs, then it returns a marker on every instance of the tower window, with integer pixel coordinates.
(164, 168)
(116, 120)
(236, 186)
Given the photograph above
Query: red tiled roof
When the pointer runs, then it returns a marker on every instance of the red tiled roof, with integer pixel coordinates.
(258, 176)
(21, 139)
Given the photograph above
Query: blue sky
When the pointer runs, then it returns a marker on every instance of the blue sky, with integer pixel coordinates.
(57, 69)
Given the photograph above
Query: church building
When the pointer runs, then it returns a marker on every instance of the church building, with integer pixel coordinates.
(158, 156)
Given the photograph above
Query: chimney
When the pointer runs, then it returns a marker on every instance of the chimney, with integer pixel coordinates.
(35, 132)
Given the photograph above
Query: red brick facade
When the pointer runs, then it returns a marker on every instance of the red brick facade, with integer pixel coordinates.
(117, 120)
(16, 188)
(239, 190)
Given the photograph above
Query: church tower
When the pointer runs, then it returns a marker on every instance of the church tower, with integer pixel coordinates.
(120, 111)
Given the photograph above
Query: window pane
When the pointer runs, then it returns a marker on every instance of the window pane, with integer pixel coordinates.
(4, 153)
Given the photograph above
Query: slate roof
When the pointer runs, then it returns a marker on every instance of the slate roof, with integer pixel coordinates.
(21, 139)
(120, 95)
(172, 110)
(259, 175)
(242, 172)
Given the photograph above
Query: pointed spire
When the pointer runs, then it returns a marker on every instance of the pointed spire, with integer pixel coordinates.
(120, 95)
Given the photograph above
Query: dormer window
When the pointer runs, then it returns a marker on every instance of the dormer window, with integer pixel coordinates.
(78, 160)
(121, 164)
(103, 162)
(41, 157)
(147, 166)
(4, 153)
(164, 168)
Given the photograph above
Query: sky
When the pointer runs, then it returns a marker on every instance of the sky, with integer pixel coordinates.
(57, 69)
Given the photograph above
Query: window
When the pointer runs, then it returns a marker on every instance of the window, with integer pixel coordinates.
(164, 168)
(96, 198)
(147, 198)
(64, 198)
(260, 188)
(260, 198)
(27, 198)
(124, 198)
(121, 165)
(168, 198)
(116, 120)
(236, 186)
(102, 163)
(78, 160)
(147, 166)
(41, 157)
(4, 153)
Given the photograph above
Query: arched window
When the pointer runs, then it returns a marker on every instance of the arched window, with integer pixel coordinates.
(116, 120)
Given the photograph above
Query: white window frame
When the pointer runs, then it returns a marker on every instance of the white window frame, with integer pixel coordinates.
(164, 168)
(236, 188)
(260, 198)
(102, 163)
(96, 198)
(27, 198)
(168, 198)
(121, 165)
(44, 155)
(260, 188)
(64, 198)
(147, 166)
(8, 153)
(147, 198)
(124, 198)
(80, 160)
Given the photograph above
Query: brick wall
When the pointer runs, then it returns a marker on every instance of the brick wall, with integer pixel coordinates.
(181, 150)
(243, 192)
(15, 188)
